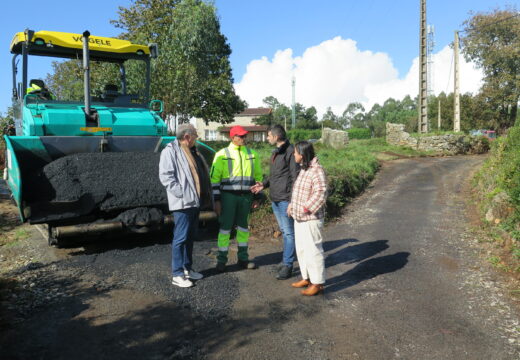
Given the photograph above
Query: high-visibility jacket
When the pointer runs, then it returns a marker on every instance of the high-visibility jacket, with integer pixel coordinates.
(234, 168)
(44, 92)
(32, 88)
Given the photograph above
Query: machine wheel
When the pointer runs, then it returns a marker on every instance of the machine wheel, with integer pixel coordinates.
(52, 239)
(53, 242)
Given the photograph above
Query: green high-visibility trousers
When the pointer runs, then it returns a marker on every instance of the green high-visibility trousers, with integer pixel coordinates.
(235, 211)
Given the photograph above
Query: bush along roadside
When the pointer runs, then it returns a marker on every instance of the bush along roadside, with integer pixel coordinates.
(497, 185)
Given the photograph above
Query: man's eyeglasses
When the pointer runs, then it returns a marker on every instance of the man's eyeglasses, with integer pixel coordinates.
(242, 136)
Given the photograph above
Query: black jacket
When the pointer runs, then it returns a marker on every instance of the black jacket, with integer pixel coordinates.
(283, 173)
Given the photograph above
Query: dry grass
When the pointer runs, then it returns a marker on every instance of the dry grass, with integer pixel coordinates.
(11, 229)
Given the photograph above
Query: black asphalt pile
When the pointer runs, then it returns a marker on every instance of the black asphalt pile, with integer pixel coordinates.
(110, 181)
(141, 216)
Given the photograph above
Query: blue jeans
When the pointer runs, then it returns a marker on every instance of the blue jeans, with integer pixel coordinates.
(286, 225)
(185, 231)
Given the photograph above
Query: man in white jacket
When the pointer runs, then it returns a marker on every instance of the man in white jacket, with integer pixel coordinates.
(184, 174)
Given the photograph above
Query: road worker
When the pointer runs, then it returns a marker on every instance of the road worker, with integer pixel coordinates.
(235, 169)
(37, 87)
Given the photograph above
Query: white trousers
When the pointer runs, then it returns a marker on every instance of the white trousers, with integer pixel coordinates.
(309, 250)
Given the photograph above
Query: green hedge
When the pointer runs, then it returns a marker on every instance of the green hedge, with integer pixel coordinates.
(359, 133)
(302, 134)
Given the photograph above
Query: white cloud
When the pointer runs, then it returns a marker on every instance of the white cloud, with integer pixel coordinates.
(336, 73)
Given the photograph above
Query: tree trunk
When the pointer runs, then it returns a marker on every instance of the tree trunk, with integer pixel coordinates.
(514, 112)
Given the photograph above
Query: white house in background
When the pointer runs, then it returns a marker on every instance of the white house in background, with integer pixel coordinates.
(215, 131)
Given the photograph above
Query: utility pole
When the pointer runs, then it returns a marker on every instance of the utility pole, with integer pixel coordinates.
(439, 115)
(293, 82)
(423, 73)
(456, 90)
(429, 51)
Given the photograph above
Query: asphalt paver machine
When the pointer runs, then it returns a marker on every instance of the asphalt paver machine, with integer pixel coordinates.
(87, 166)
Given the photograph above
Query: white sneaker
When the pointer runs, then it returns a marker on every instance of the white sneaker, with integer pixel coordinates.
(193, 275)
(181, 281)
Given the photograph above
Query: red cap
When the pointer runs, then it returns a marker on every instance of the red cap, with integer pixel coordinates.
(237, 130)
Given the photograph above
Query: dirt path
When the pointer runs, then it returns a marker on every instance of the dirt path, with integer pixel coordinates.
(405, 281)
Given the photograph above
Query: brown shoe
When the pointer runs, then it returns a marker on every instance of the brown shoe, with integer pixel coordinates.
(300, 284)
(313, 289)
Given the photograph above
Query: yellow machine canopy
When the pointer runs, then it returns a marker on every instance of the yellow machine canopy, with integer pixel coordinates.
(69, 45)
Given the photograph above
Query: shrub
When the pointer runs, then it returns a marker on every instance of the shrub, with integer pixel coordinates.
(501, 172)
(359, 133)
(303, 134)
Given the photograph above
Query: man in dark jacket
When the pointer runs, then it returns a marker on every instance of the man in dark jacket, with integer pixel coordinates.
(283, 173)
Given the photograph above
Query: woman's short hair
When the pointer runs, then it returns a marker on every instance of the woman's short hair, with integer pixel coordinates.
(306, 150)
(279, 131)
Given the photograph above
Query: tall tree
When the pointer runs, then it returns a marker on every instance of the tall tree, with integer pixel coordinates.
(492, 41)
(66, 79)
(331, 120)
(192, 74)
(280, 114)
(306, 118)
(354, 116)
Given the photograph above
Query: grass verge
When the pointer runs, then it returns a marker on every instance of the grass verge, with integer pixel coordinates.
(11, 230)
(497, 192)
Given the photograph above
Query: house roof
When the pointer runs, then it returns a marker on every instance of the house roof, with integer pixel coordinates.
(252, 128)
(255, 112)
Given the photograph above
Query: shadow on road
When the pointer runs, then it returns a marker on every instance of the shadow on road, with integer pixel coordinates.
(367, 270)
(355, 253)
(276, 257)
(72, 329)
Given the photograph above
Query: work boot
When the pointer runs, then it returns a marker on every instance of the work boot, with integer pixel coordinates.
(222, 257)
(221, 267)
(246, 264)
(313, 289)
(301, 284)
(284, 272)
(242, 253)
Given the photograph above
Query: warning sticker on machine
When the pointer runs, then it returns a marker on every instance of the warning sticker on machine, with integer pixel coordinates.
(95, 129)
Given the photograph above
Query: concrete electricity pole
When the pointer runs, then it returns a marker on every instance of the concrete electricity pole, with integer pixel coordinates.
(293, 114)
(456, 90)
(430, 31)
(439, 116)
(423, 74)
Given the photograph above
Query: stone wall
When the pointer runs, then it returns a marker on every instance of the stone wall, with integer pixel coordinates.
(337, 139)
(449, 144)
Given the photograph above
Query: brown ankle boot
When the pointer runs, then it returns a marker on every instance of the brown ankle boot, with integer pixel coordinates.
(300, 284)
(313, 289)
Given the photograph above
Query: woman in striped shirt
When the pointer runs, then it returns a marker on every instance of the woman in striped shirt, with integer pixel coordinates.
(307, 208)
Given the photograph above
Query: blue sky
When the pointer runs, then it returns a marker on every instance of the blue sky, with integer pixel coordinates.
(384, 33)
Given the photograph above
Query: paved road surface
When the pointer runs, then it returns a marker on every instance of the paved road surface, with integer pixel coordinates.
(403, 282)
